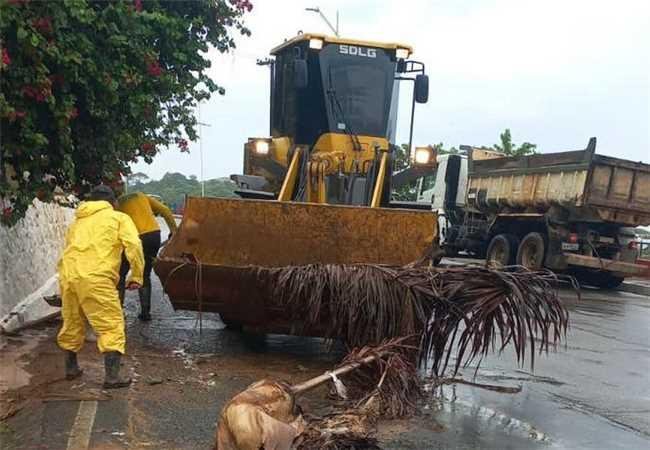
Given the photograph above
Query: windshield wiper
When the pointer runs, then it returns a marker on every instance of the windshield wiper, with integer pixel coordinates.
(339, 113)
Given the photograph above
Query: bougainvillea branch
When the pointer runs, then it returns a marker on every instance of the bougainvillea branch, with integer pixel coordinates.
(90, 86)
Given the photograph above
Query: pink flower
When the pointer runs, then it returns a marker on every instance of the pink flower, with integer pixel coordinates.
(242, 5)
(138, 5)
(154, 69)
(39, 93)
(6, 60)
(148, 148)
(43, 24)
(182, 145)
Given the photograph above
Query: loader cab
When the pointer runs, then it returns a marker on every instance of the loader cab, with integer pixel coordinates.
(333, 110)
(321, 85)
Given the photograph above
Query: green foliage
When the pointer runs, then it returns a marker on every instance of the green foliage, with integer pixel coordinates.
(91, 86)
(173, 187)
(509, 148)
(407, 192)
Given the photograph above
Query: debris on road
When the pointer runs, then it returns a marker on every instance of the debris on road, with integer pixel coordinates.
(415, 314)
(266, 415)
(470, 308)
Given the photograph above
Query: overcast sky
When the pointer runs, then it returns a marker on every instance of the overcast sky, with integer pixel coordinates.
(555, 72)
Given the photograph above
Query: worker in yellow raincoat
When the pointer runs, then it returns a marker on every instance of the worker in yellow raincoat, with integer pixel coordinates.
(143, 210)
(88, 277)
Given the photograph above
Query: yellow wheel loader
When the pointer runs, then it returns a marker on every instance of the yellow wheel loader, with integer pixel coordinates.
(317, 191)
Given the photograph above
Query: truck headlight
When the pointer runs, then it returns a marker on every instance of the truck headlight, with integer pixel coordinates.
(262, 147)
(422, 156)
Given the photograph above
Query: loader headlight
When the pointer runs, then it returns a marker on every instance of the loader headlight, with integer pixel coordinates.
(315, 44)
(423, 156)
(262, 147)
(401, 53)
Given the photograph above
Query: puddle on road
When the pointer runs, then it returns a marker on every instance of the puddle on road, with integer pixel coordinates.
(489, 419)
(13, 349)
(454, 405)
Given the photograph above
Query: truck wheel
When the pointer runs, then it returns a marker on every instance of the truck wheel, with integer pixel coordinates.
(502, 250)
(531, 251)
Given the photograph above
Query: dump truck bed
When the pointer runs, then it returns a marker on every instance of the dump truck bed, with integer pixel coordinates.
(590, 186)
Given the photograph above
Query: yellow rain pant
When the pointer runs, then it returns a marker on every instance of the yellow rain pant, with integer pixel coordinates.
(100, 304)
(89, 272)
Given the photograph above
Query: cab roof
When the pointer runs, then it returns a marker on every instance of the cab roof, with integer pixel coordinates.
(338, 40)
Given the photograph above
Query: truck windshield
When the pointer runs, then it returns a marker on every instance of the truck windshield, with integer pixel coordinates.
(358, 90)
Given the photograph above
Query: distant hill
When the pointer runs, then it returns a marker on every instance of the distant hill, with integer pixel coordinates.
(173, 187)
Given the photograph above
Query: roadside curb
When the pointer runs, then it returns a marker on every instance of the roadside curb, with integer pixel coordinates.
(635, 288)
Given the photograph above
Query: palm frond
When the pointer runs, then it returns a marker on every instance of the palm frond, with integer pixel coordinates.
(472, 310)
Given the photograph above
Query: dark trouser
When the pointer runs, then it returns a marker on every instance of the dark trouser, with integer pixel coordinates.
(150, 247)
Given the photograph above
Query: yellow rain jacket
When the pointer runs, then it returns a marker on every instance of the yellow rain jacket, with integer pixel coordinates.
(89, 272)
(143, 210)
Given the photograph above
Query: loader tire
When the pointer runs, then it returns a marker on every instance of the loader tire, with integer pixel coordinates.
(502, 250)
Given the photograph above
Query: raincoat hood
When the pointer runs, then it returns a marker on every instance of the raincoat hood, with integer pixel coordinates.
(89, 208)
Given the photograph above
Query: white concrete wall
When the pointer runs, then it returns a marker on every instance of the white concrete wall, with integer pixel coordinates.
(29, 252)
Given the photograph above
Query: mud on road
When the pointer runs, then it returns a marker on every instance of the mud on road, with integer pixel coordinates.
(593, 393)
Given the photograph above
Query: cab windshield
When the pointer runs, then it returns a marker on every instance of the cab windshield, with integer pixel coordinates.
(358, 89)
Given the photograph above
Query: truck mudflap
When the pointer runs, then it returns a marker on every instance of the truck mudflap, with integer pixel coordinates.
(214, 261)
(619, 267)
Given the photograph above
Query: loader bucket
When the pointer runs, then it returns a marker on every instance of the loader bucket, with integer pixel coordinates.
(215, 261)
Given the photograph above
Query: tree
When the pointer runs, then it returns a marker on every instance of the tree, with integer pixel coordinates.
(509, 148)
(173, 187)
(137, 178)
(90, 86)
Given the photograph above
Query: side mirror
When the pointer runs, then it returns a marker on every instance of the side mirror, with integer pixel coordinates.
(421, 89)
(300, 76)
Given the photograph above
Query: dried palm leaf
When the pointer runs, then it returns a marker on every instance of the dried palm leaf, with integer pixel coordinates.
(348, 430)
(471, 310)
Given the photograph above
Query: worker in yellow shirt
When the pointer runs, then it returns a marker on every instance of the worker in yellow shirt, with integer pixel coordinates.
(88, 275)
(143, 211)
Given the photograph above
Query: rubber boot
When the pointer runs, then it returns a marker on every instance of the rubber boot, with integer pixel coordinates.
(145, 303)
(112, 379)
(72, 369)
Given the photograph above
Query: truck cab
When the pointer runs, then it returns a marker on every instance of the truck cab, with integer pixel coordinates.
(444, 189)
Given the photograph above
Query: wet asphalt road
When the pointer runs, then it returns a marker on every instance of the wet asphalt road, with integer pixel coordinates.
(593, 394)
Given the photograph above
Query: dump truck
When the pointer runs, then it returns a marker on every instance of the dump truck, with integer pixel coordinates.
(573, 212)
(316, 191)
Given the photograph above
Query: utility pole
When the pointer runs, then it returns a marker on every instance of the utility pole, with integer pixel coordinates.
(329, 24)
(201, 125)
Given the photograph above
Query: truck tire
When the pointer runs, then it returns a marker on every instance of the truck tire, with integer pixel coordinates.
(502, 250)
(532, 249)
